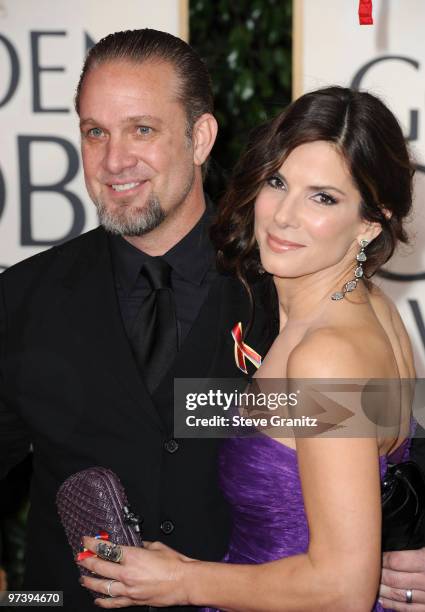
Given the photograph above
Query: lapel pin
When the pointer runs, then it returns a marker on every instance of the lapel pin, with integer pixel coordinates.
(243, 351)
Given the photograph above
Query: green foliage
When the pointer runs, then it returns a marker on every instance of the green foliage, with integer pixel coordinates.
(247, 46)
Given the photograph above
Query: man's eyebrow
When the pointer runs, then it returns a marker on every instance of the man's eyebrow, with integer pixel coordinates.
(142, 118)
(88, 121)
(134, 120)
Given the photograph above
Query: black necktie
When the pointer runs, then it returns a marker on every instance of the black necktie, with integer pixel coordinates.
(154, 334)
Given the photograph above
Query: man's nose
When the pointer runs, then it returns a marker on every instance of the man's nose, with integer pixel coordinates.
(118, 156)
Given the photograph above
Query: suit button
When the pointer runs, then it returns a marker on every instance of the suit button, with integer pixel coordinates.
(171, 446)
(167, 527)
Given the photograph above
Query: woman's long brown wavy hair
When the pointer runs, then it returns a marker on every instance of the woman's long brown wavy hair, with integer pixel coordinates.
(371, 141)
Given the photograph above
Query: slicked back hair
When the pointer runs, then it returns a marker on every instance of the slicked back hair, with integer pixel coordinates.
(138, 46)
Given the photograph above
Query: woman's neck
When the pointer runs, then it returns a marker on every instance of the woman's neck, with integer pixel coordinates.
(303, 299)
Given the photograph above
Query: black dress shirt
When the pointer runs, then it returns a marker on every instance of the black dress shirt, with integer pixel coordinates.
(192, 262)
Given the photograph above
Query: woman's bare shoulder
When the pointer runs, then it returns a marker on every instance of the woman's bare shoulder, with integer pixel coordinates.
(338, 352)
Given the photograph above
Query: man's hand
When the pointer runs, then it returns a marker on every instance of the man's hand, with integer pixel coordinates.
(401, 572)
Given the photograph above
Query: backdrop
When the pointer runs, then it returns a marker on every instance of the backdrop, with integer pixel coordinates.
(387, 58)
(42, 45)
(43, 200)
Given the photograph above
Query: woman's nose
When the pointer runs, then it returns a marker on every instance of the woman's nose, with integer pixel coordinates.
(287, 211)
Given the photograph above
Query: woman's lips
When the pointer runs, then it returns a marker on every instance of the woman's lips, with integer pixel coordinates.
(279, 246)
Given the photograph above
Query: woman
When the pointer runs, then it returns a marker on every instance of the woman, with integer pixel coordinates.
(317, 202)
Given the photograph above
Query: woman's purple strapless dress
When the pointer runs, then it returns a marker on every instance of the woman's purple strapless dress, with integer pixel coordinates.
(259, 478)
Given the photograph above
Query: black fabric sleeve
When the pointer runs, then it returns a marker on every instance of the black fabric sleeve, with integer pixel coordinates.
(14, 435)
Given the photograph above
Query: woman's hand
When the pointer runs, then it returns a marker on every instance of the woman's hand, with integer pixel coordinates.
(154, 575)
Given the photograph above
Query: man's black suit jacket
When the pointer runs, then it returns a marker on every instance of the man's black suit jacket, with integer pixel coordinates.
(69, 385)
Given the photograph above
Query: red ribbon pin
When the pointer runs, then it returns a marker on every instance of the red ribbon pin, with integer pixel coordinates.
(365, 12)
(243, 351)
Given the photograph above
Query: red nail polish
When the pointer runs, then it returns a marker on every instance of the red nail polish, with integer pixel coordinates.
(84, 555)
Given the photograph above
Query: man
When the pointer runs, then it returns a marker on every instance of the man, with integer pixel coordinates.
(84, 377)
(74, 380)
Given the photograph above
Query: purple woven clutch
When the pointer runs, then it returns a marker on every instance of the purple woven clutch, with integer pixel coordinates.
(94, 500)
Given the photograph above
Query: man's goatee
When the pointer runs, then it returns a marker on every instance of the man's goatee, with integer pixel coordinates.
(131, 221)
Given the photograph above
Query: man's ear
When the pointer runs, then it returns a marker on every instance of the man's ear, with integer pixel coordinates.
(203, 137)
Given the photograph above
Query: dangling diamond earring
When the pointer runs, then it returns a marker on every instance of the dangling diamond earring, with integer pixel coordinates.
(358, 273)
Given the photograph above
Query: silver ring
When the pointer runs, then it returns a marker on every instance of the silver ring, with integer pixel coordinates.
(409, 596)
(109, 552)
(108, 588)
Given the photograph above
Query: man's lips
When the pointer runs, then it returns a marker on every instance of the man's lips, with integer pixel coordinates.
(278, 245)
(125, 188)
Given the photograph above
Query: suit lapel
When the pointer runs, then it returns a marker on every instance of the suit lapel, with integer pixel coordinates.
(209, 347)
(236, 308)
(197, 354)
(93, 311)
(208, 351)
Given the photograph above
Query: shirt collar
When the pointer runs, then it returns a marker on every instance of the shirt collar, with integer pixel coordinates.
(127, 262)
(191, 258)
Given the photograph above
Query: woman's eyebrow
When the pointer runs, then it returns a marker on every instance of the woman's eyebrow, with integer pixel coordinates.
(326, 187)
(313, 187)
